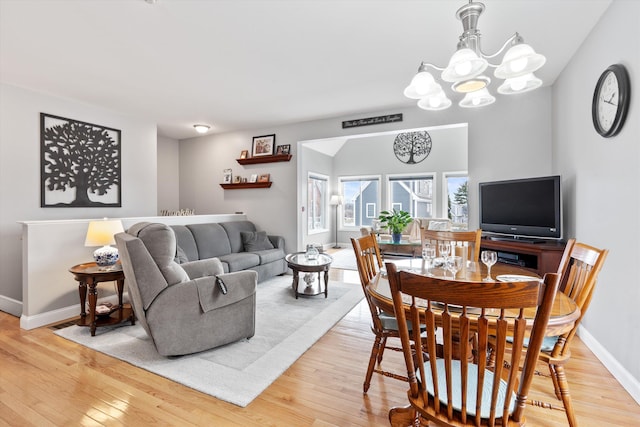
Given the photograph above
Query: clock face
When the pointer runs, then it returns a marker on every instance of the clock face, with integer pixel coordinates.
(611, 101)
(608, 101)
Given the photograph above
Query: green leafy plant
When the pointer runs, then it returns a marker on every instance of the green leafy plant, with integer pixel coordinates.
(395, 221)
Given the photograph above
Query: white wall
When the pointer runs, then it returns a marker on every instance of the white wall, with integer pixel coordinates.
(601, 176)
(511, 138)
(168, 174)
(20, 176)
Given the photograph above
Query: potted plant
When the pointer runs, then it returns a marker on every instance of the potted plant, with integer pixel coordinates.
(395, 221)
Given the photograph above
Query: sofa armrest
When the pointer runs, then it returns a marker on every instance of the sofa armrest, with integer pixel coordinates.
(203, 268)
(277, 241)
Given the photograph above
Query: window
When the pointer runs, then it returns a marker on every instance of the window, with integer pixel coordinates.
(413, 194)
(317, 202)
(361, 200)
(456, 184)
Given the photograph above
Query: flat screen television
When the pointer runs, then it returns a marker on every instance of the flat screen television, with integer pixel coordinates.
(526, 209)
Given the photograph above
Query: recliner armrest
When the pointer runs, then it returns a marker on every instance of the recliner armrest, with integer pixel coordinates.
(203, 268)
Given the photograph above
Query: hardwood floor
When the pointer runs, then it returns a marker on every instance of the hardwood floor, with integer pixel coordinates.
(46, 380)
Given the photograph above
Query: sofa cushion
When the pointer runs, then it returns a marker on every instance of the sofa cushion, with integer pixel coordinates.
(254, 241)
(186, 242)
(233, 229)
(270, 255)
(240, 261)
(211, 239)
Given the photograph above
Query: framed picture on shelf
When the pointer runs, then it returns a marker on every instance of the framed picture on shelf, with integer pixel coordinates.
(253, 177)
(244, 154)
(237, 179)
(263, 145)
(226, 176)
(283, 149)
(263, 177)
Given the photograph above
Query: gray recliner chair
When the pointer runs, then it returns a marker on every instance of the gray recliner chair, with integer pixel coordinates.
(189, 307)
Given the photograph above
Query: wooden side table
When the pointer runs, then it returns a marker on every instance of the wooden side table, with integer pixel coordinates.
(89, 275)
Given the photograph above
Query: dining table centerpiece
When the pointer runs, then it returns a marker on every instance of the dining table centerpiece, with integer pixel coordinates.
(395, 221)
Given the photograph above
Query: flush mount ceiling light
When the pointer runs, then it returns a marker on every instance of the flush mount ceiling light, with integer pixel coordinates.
(202, 128)
(467, 65)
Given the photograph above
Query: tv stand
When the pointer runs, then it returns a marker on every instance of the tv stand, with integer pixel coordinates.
(540, 256)
(518, 239)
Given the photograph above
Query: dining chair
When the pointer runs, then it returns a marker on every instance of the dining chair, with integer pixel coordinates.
(453, 392)
(384, 325)
(471, 238)
(578, 270)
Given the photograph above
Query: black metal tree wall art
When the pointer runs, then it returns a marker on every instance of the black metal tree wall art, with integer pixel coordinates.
(412, 147)
(79, 156)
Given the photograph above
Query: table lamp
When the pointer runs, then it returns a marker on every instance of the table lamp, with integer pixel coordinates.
(100, 233)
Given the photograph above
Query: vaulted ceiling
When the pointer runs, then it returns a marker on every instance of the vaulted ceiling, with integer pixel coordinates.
(240, 64)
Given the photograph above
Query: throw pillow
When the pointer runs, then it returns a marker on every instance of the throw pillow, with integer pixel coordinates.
(255, 241)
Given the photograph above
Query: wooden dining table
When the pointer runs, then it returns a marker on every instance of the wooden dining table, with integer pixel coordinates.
(564, 312)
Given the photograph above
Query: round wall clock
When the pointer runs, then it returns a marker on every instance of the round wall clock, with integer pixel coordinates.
(412, 147)
(611, 100)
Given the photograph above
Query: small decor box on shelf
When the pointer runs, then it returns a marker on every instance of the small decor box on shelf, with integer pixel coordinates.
(226, 176)
(263, 177)
(283, 149)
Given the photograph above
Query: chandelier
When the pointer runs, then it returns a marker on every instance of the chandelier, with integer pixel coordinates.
(468, 64)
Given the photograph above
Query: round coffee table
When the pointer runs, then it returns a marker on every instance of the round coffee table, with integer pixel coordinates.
(299, 262)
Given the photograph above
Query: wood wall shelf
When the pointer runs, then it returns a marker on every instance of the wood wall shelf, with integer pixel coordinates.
(244, 185)
(265, 159)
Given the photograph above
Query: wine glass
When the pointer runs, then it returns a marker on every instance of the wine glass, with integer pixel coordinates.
(454, 264)
(429, 254)
(489, 258)
(444, 249)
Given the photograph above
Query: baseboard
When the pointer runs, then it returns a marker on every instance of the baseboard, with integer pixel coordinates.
(10, 305)
(54, 316)
(624, 377)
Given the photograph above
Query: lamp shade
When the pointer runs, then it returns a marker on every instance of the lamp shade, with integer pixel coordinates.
(100, 233)
(463, 65)
(520, 84)
(335, 200)
(439, 101)
(422, 85)
(479, 98)
(519, 60)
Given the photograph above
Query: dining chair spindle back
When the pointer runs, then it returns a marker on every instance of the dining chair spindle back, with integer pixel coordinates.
(384, 325)
(468, 239)
(457, 392)
(578, 270)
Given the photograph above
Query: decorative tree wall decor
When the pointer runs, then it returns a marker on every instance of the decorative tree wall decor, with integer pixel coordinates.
(412, 147)
(79, 164)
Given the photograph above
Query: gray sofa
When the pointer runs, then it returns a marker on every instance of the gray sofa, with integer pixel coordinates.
(237, 244)
(189, 307)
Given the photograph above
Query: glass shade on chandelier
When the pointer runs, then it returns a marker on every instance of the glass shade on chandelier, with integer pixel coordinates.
(101, 233)
(467, 65)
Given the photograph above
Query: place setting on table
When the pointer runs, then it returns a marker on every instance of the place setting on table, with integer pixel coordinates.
(452, 264)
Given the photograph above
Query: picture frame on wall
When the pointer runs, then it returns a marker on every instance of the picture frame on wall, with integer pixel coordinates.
(244, 154)
(64, 182)
(283, 149)
(263, 177)
(227, 176)
(263, 145)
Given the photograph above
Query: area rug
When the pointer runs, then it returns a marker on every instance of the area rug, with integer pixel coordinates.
(237, 373)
